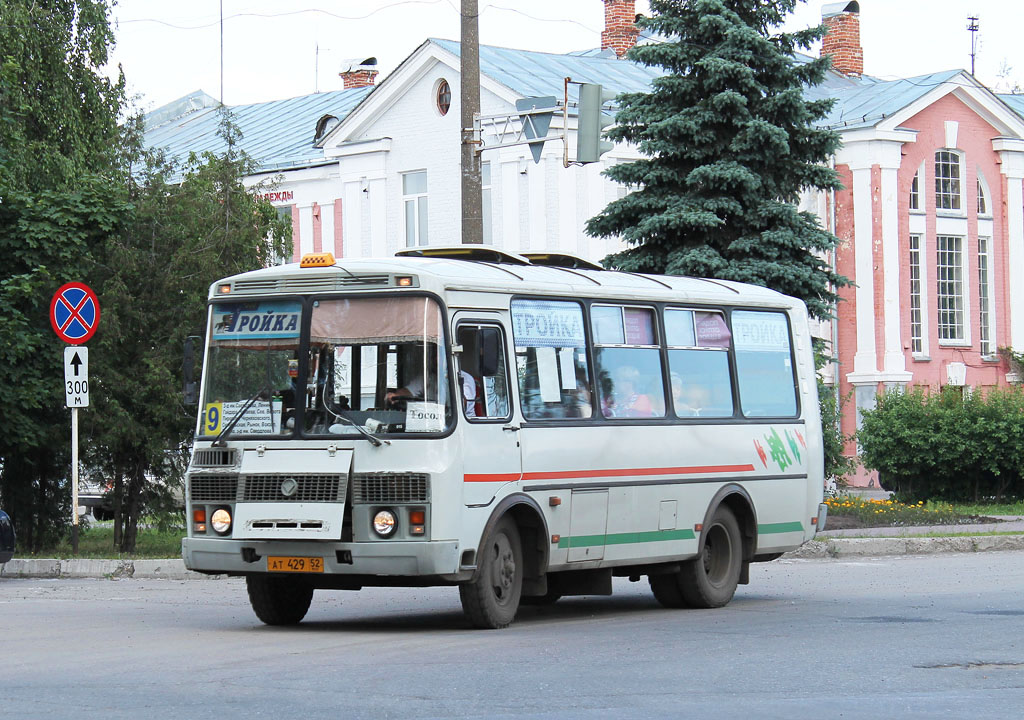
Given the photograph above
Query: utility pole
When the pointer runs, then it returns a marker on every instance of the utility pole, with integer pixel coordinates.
(472, 203)
(972, 27)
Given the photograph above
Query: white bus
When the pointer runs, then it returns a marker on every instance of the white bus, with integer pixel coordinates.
(523, 427)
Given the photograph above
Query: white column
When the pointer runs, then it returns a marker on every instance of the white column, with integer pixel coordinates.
(864, 361)
(352, 219)
(894, 359)
(377, 192)
(509, 174)
(327, 224)
(1011, 157)
(305, 239)
(538, 220)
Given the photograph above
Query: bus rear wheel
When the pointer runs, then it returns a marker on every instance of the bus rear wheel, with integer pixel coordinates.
(710, 579)
(491, 598)
(278, 601)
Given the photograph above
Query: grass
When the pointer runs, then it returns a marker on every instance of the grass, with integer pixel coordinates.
(97, 542)
(892, 513)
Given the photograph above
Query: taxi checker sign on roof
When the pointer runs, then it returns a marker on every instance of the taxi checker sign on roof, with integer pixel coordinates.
(256, 320)
(74, 313)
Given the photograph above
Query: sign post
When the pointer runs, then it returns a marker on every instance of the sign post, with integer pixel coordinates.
(74, 316)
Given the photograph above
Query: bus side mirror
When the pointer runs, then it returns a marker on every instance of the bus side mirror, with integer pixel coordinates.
(490, 351)
(191, 387)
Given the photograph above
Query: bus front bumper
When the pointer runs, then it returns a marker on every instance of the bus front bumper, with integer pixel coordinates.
(399, 559)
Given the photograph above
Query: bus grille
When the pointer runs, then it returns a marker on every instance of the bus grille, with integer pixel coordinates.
(214, 457)
(390, 488)
(311, 488)
(213, 488)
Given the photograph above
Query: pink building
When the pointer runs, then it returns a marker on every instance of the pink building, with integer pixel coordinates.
(931, 228)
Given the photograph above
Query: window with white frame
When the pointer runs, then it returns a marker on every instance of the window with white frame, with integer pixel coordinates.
(986, 315)
(485, 201)
(947, 181)
(916, 293)
(414, 198)
(915, 192)
(949, 293)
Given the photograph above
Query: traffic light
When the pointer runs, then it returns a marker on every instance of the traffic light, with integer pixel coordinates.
(592, 121)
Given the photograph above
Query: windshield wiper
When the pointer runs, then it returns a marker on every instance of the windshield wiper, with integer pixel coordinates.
(340, 414)
(263, 393)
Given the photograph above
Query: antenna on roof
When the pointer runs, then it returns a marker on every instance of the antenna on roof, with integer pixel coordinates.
(972, 28)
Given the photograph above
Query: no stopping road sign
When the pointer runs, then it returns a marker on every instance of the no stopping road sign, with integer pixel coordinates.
(74, 313)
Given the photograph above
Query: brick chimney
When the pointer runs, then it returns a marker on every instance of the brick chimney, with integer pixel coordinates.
(843, 40)
(358, 73)
(619, 31)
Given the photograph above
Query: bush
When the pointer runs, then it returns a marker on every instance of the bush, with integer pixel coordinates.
(946, 446)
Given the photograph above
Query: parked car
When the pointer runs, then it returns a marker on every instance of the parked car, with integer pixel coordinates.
(6, 537)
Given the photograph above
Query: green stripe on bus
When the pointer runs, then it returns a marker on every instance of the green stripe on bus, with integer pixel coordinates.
(625, 538)
(771, 528)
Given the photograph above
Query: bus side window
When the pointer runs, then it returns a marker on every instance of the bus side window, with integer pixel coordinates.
(698, 356)
(764, 364)
(551, 360)
(628, 358)
(483, 375)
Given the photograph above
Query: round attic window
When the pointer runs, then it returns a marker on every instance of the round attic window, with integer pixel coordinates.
(444, 97)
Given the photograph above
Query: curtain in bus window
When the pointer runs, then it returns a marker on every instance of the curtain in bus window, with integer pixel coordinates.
(764, 364)
(698, 360)
(629, 371)
(551, 359)
(376, 320)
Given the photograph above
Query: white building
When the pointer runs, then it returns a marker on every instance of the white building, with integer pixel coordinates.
(370, 169)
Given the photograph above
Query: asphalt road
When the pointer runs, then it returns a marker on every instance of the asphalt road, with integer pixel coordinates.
(900, 637)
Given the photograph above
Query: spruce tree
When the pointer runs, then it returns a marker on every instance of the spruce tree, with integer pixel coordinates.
(730, 141)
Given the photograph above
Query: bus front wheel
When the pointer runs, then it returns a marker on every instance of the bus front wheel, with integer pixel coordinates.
(278, 601)
(491, 598)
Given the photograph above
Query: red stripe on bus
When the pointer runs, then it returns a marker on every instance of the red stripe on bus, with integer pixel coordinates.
(574, 474)
(499, 477)
(571, 474)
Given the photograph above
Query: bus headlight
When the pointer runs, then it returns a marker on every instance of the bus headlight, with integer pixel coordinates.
(220, 521)
(384, 523)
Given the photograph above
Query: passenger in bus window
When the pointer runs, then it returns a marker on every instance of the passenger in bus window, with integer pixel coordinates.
(626, 400)
(688, 399)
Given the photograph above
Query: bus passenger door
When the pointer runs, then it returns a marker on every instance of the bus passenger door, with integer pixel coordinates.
(490, 440)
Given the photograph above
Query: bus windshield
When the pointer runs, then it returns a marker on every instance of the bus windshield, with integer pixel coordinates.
(379, 363)
(372, 365)
(253, 355)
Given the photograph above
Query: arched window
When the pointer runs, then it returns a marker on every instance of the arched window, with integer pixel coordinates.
(984, 205)
(323, 126)
(915, 192)
(948, 185)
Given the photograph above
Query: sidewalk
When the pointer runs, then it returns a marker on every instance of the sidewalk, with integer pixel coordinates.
(863, 542)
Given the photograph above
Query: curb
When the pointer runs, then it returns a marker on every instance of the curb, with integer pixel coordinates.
(826, 548)
(883, 547)
(171, 569)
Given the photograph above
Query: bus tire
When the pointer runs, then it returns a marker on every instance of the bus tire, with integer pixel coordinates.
(278, 601)
(491, 598)
(666, 590)
(709, 580)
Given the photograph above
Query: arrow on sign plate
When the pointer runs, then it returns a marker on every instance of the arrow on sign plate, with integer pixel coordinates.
(76, 363)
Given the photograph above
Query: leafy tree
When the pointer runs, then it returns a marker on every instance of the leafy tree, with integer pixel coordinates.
(61, 166)
(155, 281)
(730, 143)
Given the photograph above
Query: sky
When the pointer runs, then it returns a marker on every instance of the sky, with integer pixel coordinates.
(275, 50)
